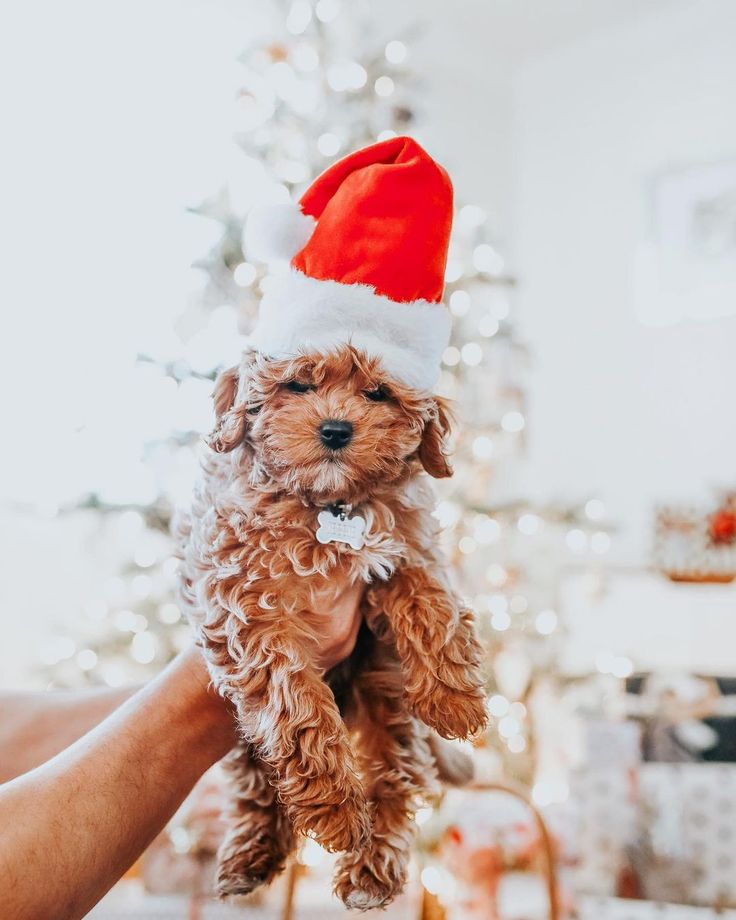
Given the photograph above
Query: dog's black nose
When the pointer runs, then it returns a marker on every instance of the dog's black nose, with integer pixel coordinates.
(335, 434)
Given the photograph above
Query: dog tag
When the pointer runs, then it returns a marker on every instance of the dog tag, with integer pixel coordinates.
(339, 528)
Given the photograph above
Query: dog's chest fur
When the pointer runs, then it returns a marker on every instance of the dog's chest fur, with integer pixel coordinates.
(267, 539)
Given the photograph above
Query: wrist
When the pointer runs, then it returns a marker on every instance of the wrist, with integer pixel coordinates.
(209, 716)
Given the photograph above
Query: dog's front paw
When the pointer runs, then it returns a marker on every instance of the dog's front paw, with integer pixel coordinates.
(370, 878)
(451, 713)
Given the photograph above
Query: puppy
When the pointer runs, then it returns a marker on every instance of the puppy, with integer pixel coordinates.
(316, 483)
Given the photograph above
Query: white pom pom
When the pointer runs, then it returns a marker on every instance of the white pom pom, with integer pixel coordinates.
(276, 232)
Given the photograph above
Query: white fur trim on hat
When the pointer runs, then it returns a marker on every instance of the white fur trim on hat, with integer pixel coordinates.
(276, 232)
(300, 314)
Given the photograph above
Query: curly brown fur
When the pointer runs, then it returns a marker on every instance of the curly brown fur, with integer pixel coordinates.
(259, 589)
(398, 771)
(260, 837)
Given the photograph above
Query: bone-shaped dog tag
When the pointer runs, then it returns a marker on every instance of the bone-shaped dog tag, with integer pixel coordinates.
(339, 528)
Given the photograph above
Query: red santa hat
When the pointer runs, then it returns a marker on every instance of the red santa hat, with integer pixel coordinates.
(367, 246)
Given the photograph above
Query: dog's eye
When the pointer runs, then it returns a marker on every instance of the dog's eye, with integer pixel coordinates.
(294, 386)
(377, 395)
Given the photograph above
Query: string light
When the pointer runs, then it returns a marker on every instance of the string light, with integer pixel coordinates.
(143, 647)
(145, 556)
(518, 711)
(125, 620)
(423, 815)
(472, 354)
(517, 744)
(577, 541)
(529, 524)
(513, 422)
(447, 513)
(305, 58)
(496, 575)
(618, 665)
(141, 586)
(348, 75)
(498, 706)
(622, 667)
(595, 510)
(328, 144)
(498, 603)
(384, 86)
(451, 356)
(327, 10)
(546, 622)
(518, 604)
(483, 448)
(500, 621)
(87, 659)
(114, 674)
(488, 326)
(245, 274)
(459, 303)
(396, 52)
(486, 259)
(508, 726)
(486, 530)
(299, 17)
(169, 613)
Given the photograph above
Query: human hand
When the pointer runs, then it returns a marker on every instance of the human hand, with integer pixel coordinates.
(341, 624)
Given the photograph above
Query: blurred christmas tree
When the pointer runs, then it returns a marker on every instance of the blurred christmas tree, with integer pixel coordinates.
(321, 85)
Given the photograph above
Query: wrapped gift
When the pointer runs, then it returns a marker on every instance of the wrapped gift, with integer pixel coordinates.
(697, 804)
(660, 831)
(605, 796)
(620, 909)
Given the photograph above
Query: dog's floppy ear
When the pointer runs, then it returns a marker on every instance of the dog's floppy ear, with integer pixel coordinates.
(229, 418)
(433, 449)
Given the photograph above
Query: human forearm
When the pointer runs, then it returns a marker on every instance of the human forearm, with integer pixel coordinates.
(35, 726)
(118, 785)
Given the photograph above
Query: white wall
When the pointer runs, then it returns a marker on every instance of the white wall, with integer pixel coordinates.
(631, 412)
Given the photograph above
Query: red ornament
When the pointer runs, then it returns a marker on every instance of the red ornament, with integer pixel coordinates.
(722, 527)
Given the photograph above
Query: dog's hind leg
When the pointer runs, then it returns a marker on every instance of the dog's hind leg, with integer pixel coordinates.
(398, 770)
(259, 837)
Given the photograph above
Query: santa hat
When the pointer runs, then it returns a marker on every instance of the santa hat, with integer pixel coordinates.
(367, 246)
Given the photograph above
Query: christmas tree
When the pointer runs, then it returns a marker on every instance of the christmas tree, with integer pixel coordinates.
(322, 85)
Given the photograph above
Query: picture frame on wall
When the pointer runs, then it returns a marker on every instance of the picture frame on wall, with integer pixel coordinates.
(686, 262)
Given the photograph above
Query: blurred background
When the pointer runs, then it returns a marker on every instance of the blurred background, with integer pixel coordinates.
(592, 281)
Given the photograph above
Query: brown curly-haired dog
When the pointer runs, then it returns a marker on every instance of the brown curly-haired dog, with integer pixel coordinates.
(294, 437)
